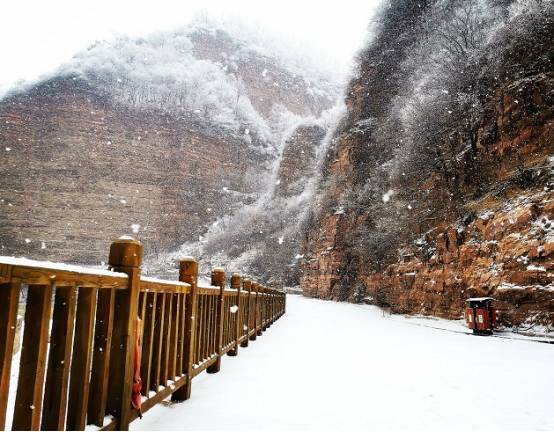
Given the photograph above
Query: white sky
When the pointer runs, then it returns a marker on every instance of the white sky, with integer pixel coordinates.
(38, 35)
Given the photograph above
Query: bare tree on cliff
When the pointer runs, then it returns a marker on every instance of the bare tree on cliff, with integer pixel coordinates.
(444, 107)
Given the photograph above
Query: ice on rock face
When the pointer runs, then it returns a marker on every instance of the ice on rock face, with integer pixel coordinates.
(135, 228)
(281, 239)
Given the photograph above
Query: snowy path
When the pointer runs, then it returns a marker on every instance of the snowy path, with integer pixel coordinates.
(339, 366)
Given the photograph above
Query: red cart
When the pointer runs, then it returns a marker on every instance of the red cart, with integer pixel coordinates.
(480, 315)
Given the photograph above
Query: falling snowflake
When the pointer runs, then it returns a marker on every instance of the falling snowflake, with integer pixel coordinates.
(387, 196)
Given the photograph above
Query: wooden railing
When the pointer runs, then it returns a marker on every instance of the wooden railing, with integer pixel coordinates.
(78, 353)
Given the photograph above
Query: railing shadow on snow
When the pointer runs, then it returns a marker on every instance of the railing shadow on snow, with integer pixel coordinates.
(83, 328)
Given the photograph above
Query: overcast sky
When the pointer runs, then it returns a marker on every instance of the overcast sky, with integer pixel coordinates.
(37, 35)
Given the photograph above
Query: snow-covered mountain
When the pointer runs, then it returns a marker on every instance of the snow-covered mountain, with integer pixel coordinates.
(158, 137)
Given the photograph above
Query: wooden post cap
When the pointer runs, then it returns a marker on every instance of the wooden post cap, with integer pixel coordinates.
(188, 269)
(218, 276)
(125, 252)
(235, 281)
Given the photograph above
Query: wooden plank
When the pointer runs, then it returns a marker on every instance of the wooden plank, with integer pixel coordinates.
(9, 300)
(254, 306)
(148, 342)
(201, 329)
(163, 287)
(213, 291)
(208, 327)
(59, 359)
(174, 337)
(166, 339)
(203, 366)
(182, 336)
(81, 360)
(98, 390)
(28, 402)
(155, 377)
(44, 276)
(212, 325)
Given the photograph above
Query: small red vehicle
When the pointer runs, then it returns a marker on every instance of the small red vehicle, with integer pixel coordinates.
(480, 315)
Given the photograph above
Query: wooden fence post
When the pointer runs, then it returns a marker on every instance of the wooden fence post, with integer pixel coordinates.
(28, 401)
(126, 257)
(235, 284)
(247, 286)
(188, 272)
(255, 311)
(218, 279)
(261, 303)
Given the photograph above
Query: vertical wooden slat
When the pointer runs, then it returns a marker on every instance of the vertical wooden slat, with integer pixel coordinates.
(148, 342)
(126, 257)
(59, 359)
(196, 345)
(202, 325)
(188, 272)
(226, 320)
(166, 339)
(208, 326)
(181, 338)
(213, 323)
(98, 390)
(28, 402)
(197, 348)
(80, 362)
(174, 337)
(9, 298)
(158, 344)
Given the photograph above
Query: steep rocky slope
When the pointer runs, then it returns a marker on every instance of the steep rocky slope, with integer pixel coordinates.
(155, 137)
(440, 184)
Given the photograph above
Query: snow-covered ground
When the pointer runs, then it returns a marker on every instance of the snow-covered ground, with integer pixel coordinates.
(340, 366)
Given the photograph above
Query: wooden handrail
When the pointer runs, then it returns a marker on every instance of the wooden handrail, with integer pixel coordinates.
(77, 358)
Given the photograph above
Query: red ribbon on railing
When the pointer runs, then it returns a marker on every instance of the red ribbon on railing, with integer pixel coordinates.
(136, 398)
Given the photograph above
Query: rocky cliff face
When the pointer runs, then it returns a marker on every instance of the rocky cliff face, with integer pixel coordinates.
(78, 171)
(419, 215)
(157, 138)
